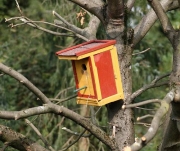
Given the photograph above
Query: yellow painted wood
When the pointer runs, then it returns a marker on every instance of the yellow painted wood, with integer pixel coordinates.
(110, 99)
(96, 52)
(117, 73)
(96, 78)
(95, 102)
(84, 77)
(87, 101)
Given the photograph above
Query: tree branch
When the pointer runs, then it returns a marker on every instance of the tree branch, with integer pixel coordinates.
(71, 27)
(60, 110)
(74, 141)
(141, 103)
(165, 22)
(49, 108)
(153, 84)
(144, 117)
(74, 133)
(94, 7)
(24, 81)
(18, 141)
(155, 123)
(39, 134)
(148, 20)
(130, 4)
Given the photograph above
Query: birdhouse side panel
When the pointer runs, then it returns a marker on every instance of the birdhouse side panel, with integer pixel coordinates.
(117, 73)
(104, 66)
(84, 78)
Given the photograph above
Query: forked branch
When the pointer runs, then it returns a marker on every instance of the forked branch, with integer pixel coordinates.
(165, 22)
(52, 108)
(139, 143)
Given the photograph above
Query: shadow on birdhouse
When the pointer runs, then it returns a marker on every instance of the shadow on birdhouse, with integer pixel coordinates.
(96, 71)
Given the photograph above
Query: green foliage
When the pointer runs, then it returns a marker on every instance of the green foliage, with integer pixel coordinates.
(32, 53)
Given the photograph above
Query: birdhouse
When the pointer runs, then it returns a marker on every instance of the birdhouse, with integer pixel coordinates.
(96, 71)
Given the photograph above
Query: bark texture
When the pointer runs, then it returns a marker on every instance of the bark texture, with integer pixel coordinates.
(18, 141)
(122, 120)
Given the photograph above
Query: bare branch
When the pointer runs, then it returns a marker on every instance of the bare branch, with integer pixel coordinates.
(74, 133)
(63, 100)
(39, 134)
(24, 81)
(67, 24)
(148, 20)
(18, 141)
(155, 122)
(153, 84)
(74, 141)
(130, 4)
(62, 91)
(88, 33)
(94, 7)
(60, 110)
(144, 117)
(165, 22)
(142, 123)
(17, 4)
(141, 52)
(147, 109)
(92, 28)
(141, 103)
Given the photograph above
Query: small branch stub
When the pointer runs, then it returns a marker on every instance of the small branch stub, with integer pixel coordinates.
(143, 139)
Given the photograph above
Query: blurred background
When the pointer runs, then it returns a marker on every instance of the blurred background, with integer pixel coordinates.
(32, 53)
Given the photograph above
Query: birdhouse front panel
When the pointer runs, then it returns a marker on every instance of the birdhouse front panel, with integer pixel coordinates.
(84, 78)
(96, 71)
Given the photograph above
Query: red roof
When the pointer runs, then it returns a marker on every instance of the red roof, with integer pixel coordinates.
(85, 48)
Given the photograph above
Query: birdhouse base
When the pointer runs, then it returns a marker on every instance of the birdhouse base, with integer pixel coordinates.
(95, 102)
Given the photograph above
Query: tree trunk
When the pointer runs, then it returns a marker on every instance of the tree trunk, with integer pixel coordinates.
(122, 120)
(172, 130)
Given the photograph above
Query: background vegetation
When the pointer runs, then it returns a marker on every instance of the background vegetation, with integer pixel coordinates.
(32, 53)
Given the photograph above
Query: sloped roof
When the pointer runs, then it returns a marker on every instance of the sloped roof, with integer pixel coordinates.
(85, 48)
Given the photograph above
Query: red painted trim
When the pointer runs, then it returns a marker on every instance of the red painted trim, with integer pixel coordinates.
(105, 44)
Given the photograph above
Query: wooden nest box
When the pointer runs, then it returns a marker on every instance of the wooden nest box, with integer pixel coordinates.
(96, 71)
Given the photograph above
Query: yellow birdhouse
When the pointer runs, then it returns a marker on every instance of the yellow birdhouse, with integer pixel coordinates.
(96, 71)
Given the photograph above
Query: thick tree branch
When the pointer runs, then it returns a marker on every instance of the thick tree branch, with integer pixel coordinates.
(141, 103)
(24, 81)
(155, 123)
(60, 110)
(130, 4)
(88, 33)
(69, 26)
(94, 7)
(18, 141)
(165, 22)
(39, 134)
(49, 108)
(148, 20)
(153, 84)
